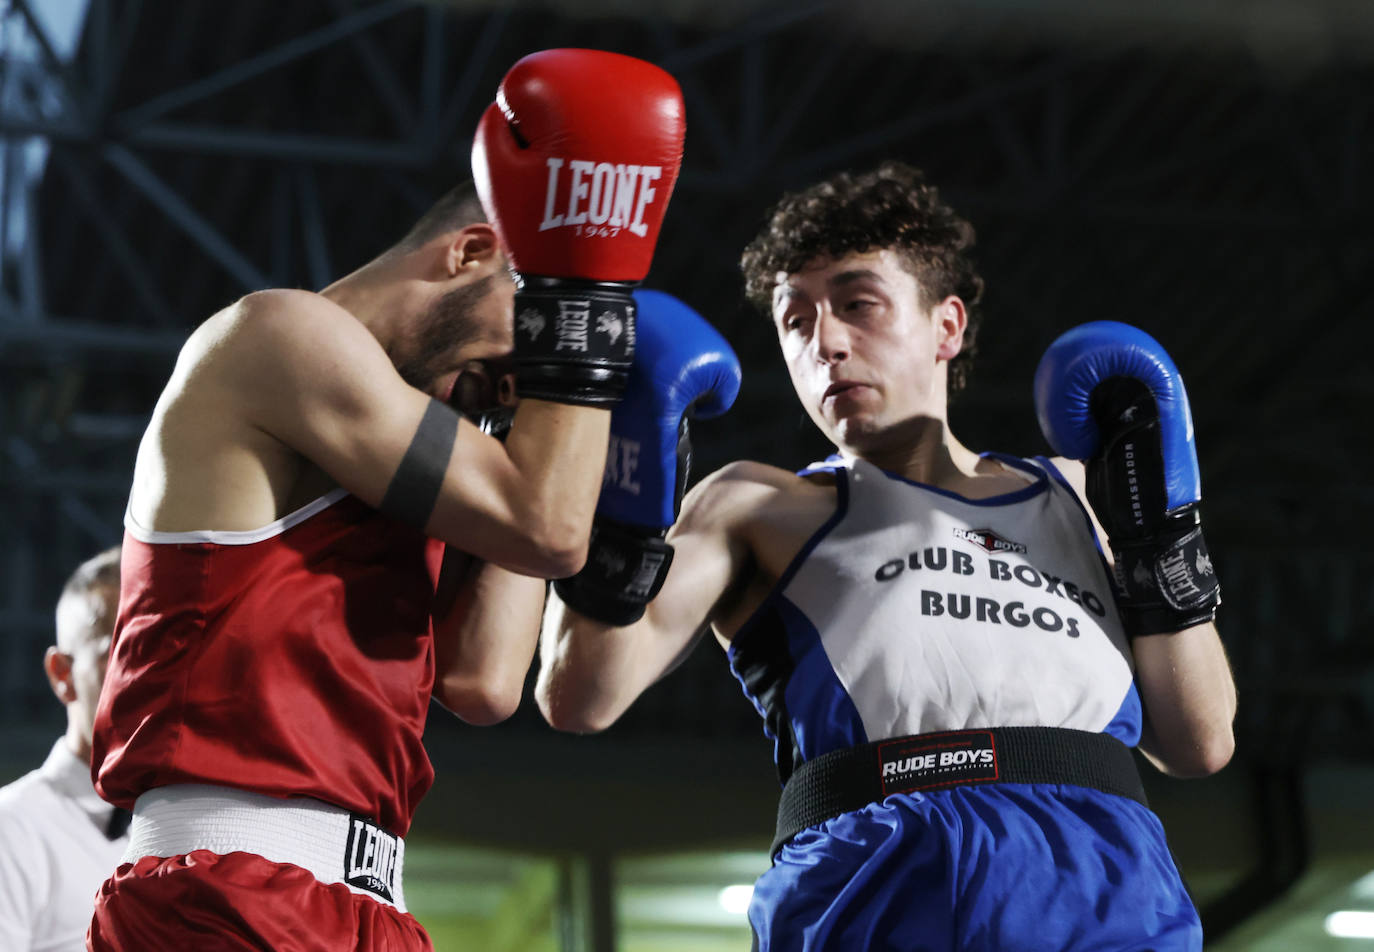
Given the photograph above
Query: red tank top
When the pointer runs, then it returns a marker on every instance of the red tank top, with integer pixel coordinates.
(294, 660)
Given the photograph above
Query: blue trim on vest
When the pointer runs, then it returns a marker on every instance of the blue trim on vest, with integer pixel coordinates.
(822, 714)
(1063, 481)
(1125, 725)
(841, 510)
(762, 655)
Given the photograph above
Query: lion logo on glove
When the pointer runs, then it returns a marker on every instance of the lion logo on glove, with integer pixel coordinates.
(612, 562)
(530, 323)
(610, 324)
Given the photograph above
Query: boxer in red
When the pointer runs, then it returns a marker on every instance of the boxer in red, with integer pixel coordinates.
(316, 541)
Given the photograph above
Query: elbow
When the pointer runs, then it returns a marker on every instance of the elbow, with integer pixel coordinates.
(563, 560)
(1216, 754)
(480, 702)
(574, 722)
(558, 547)
(486, 711)
(562, 715)
(1205, 757)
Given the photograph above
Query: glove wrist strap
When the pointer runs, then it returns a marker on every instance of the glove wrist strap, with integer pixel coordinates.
(1166, 583)
(574, 340)
(626, 567)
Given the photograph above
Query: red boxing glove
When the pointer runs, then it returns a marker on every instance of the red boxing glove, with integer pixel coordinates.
(574, 164)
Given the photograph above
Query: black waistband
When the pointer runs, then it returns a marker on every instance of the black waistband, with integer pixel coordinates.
(850, 779)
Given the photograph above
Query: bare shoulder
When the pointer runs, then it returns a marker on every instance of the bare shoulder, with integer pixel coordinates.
(283, 322)
(216, 454)
(736, 492)
(769, 511)
(260, 323)
(270, 356)
(748, 476)
(271, 349)
(267, 308)
(1074, 473)
(762, 516)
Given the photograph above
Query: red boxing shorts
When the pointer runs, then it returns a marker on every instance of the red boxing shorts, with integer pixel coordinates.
(240, 901)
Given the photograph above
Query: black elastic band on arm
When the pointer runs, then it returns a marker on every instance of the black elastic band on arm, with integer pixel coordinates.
(415, 488)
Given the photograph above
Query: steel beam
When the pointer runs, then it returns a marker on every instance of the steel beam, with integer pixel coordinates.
(215, 246)
(287, 52)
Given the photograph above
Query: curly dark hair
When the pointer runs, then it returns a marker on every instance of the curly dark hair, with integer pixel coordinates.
(891, 206)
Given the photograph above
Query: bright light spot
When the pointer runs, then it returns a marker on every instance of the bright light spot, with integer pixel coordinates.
(735, 899)
(1364, 887)
(1346, 924)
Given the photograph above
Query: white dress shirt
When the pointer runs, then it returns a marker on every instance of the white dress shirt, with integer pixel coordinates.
(54, 855)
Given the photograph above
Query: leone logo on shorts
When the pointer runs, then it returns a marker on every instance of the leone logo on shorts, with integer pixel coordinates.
(370, 857)
(937, 760)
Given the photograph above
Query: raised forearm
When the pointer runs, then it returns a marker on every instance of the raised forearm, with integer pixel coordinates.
(589, 673)
(1189, 698)
(559, 454)
(484, 638)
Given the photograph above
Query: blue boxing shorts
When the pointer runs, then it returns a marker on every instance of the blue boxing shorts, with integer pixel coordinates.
(991, 868)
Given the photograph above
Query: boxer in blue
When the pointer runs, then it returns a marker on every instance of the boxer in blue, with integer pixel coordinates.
(954, 651)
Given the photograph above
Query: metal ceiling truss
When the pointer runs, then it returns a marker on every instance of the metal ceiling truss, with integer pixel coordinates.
(197, 152)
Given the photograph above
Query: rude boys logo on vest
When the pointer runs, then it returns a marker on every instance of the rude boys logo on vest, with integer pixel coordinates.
(937, 760)
(988, 541)
(370, 857)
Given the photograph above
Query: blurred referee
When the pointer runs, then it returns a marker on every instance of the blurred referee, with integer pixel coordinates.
(58, 840)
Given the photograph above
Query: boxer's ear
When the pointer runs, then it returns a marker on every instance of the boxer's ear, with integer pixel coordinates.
(58, 667)
(950, 318)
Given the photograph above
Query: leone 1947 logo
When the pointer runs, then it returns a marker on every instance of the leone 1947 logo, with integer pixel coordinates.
(598, 198)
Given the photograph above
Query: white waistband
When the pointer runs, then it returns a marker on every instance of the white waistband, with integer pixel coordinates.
(330, 843)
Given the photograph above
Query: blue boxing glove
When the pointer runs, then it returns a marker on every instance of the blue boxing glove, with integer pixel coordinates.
(1107, 393)
(682, 367)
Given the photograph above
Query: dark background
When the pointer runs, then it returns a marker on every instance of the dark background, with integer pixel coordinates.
(1204, 173)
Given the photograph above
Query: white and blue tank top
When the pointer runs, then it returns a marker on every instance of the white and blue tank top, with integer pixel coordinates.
(913, 610)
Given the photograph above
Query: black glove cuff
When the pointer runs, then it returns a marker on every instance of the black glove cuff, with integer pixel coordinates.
(574, 340)
(625, 569)
(581, 384)
(1166, 583)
